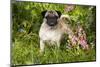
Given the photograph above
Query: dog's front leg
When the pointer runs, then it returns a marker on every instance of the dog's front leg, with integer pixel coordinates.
(58, 44)
(41, 46)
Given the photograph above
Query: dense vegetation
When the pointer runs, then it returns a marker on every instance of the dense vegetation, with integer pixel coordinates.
(26, 21)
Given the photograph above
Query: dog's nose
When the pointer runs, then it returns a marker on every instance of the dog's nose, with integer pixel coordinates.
(52, 23)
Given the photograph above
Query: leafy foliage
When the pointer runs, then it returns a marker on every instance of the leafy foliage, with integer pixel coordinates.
(26, 21)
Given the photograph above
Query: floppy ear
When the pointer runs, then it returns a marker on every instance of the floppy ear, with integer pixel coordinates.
(43, 13)
(59, 13)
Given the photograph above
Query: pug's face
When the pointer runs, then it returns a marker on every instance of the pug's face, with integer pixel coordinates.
(51, 17)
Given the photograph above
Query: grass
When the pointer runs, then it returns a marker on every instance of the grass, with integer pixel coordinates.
(25, 50)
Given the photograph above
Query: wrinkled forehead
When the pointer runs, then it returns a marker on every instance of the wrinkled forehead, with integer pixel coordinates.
(51, 13)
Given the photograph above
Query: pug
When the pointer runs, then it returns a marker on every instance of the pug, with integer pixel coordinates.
(52, 29)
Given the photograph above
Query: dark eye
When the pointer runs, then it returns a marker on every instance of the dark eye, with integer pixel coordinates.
(46, 17)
